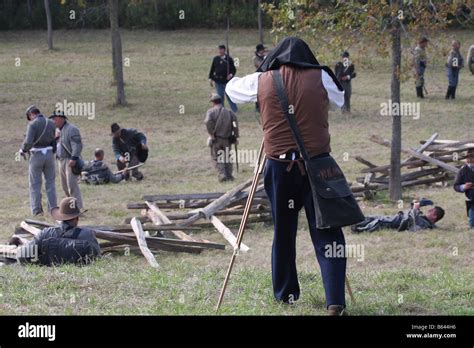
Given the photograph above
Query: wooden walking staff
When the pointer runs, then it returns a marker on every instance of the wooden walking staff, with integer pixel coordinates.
(258, 171)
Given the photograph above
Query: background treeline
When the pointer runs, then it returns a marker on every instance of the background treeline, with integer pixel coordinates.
(152, 14)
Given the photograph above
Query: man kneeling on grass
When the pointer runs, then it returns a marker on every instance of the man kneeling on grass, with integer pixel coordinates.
(66, 243)
(413, 220)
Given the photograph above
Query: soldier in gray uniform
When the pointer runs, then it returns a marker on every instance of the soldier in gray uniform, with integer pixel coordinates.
(40, 143)
(454, 64)
(68, 153)
(420, 62)
(223, 130)
(98, 173)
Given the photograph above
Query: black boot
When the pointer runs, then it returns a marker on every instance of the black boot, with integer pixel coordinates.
(419, 91)
(453, 93)
(448, 93)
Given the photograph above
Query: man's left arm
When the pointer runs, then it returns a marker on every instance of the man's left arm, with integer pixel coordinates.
(336, 96)
(210, 123)
(76, 143)
(352, 72)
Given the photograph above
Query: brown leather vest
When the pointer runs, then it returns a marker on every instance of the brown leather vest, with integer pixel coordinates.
(308, 97)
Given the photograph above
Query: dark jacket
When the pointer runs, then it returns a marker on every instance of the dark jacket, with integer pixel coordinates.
(46, 248)
(465, 174)
(413, 221)
(340, 70)
(220, 70)
(128, 142)
(97, 172)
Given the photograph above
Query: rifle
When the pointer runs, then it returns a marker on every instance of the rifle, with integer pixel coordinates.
(115, 173)
(227, 38)
(129, 168)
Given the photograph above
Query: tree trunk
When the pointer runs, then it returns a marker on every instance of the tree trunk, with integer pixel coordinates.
(49, 23)
(395, 185)
(260, 22)
(117, 61)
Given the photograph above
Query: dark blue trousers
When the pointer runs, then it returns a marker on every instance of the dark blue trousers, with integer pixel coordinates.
(289, 191)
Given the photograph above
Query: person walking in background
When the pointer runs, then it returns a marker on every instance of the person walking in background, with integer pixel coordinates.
(223, 130)
(40, 143)
(222, 70)
(69, 155)
(454, 64)
(345, 72)
(420, 62)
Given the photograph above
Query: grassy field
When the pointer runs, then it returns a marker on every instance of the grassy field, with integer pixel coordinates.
(402, 273)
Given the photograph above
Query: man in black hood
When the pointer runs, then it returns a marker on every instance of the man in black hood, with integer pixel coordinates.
(311, 90)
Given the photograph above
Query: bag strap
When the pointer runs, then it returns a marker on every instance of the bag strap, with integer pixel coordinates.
(217, 121)
(280, 88)
(42, 133)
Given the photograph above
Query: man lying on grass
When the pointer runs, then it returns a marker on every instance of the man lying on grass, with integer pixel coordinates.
(66, 243)
(412, 220)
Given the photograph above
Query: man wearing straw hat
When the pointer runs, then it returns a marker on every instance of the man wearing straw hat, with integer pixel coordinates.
(66, 243)
(464, 183)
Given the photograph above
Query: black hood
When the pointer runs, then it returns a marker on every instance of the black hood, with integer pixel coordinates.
(295, 52)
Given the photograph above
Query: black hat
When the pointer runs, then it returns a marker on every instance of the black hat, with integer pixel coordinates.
(260, 47)
(222, 47)
(114, 128)
(345, 54)
(58, 114)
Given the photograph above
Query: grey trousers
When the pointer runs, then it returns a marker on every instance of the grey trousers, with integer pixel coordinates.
(42, 164)
(69, 181)
(219, 149)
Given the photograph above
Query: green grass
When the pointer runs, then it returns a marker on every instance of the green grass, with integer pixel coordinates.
(402, 273)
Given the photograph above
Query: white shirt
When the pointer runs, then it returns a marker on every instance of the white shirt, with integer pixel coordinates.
(244, 89)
